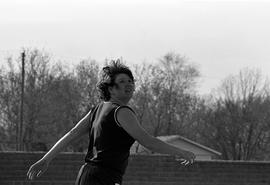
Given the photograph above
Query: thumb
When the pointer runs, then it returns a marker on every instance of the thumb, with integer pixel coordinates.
(39, 173)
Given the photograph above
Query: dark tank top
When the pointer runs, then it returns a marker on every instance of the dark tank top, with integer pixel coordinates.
(109, 143)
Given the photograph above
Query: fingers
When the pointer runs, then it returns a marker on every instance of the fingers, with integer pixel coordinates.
(39, 173)
(185, 162)
(33, 173)
(30, 173)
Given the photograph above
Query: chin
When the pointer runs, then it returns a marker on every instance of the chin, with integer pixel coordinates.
(128, 97)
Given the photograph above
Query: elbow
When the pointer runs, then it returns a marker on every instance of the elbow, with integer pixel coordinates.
(150, 144)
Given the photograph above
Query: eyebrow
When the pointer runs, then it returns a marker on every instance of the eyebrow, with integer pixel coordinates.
(123, 77)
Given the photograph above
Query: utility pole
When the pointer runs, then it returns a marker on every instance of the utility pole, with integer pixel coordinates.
(22, 98)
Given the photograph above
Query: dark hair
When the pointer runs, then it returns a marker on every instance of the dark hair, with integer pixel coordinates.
(108, 75)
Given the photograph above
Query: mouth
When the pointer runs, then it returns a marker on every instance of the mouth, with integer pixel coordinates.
(129, 90)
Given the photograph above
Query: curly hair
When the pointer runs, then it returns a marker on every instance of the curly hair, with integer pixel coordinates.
(108, 75)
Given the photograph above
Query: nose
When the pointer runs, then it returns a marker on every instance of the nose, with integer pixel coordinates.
(130, 86)
(131, 83)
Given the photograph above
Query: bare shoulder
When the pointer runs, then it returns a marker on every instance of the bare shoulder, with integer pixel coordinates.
(128, 121)
(123, 114)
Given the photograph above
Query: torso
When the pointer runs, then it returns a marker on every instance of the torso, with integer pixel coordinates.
(111, 143)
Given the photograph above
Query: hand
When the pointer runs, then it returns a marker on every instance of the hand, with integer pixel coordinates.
(187, 158)
(37, 169)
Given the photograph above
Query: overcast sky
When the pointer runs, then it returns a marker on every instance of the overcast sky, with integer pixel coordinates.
(221, 37)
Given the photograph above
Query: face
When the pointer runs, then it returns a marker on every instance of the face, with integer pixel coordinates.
(123, 87)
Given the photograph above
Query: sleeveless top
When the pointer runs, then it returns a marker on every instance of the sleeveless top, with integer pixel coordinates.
(109, 143)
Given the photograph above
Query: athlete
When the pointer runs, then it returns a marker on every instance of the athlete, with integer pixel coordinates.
(113, 127)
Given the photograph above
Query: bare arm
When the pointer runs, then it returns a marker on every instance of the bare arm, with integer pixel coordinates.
(76, 132)
(129, 122)
(80, 129)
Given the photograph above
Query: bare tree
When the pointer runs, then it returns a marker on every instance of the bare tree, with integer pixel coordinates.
(9, 104)
(86, 75)
(237, 123)
(164, 93)
(178, 89)
(54, 100)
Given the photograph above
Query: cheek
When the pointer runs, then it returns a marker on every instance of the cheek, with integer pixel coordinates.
(119, 86)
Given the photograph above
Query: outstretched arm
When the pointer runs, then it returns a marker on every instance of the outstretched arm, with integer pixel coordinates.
(76, 132)
(128, 120)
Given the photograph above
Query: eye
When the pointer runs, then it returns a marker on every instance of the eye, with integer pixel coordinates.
(126, 81)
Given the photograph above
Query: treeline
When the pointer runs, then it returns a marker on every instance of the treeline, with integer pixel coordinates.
(235, 120)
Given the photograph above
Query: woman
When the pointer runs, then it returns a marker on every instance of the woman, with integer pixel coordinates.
(113, 127)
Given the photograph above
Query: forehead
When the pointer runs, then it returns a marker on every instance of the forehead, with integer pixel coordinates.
(122, 76)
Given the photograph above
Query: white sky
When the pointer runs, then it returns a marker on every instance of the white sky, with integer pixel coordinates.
(221, 37)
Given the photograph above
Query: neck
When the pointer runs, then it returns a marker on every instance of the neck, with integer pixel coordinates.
(120, 102)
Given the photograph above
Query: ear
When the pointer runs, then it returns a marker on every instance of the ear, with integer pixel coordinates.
(110, 89)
